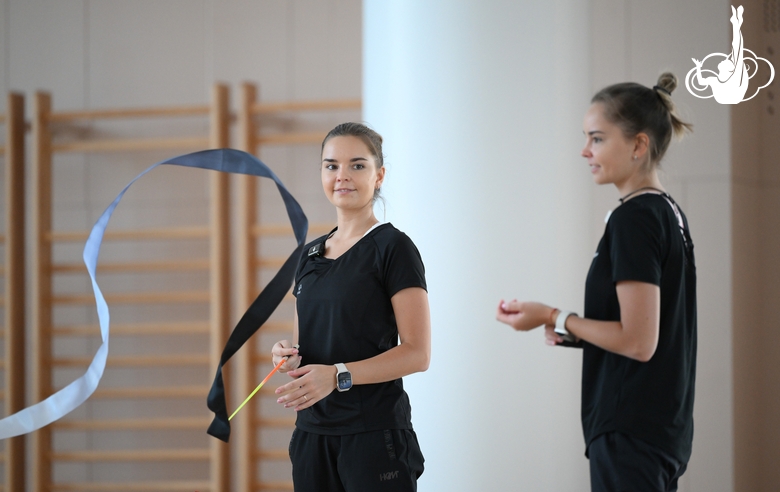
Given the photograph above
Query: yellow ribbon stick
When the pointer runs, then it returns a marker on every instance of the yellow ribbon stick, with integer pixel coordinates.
(260, 385)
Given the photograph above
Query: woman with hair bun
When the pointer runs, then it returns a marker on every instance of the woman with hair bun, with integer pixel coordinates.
(638, 332)
(362, 322)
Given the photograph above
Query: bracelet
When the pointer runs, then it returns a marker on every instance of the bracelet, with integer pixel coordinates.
(553, 315)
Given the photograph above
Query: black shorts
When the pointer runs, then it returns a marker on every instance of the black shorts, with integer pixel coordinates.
(388, 460)
(621, 463)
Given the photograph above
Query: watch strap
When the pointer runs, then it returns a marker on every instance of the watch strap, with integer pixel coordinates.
(560, 325)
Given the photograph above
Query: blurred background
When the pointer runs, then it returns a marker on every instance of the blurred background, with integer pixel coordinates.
(481, 106)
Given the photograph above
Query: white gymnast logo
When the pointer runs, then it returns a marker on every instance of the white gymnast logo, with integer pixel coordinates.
(730, 84)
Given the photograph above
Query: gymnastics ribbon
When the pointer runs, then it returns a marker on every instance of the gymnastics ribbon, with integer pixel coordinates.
(74, 394)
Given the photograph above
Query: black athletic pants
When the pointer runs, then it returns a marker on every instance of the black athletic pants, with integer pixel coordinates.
(620, 463)
(377, 461)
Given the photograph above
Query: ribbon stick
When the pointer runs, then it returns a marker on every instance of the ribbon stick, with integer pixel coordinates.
(74, 394)
(257, 389)
(284, 359)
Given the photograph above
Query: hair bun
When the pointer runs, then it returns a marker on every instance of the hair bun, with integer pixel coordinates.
(667, 81)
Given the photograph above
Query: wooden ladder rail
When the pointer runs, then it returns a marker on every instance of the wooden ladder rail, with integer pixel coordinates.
(250, 140)
(217, 233)
(13, 275)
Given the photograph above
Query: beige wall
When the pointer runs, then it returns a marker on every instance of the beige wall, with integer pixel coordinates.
(755, 190)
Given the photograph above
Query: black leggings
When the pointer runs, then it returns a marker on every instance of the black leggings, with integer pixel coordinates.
(381, 461)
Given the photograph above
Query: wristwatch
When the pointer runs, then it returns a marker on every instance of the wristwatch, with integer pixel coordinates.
(343, 378)
(560, 326)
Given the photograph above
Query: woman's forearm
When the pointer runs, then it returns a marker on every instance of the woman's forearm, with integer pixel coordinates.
(397, 362)
(610, 336)
(636, 334)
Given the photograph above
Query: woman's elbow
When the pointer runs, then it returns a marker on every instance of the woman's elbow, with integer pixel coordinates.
(424, 361)
(642, 352)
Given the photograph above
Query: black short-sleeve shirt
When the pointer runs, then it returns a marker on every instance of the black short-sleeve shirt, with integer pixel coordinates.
(345, 315)
(653, 400)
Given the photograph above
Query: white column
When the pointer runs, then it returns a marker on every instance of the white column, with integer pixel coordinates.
(481, 104)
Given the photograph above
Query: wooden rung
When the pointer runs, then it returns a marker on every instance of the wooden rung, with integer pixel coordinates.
(136, 144)
(2, 270)
(119, 329)
(269, 262)
(140, 266)
(133, 424)
(275, 422)
(327, 105)
(267, 390)
(285, 229)
(2, 149)
(271, 454)
(291, 138)
(138, 361)
(136, 297)
(274, 486)
(2, 301)
(276, 326)
(129, 113)
(2, 238)
(164, 392)
(167, 486)
(263, 358)
(194, 232)
(134, 455)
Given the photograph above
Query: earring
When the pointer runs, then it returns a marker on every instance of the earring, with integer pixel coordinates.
(634, 157)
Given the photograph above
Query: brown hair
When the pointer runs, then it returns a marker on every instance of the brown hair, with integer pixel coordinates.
(639, 109)
(372, 139)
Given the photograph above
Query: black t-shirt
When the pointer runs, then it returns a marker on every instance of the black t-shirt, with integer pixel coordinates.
(345, 315)
(653, 400)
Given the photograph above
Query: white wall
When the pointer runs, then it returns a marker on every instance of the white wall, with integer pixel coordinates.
(475, 102)
(481, 107)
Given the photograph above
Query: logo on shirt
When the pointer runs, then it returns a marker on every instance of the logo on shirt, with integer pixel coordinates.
(298, 292)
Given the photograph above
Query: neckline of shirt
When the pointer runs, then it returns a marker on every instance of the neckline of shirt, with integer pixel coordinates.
(356, 242)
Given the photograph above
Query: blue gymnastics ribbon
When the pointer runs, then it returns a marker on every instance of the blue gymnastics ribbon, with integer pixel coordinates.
(77, 392)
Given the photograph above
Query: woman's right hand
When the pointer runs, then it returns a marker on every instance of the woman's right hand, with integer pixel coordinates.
(523, 316)
(282, 349)
(550, 337)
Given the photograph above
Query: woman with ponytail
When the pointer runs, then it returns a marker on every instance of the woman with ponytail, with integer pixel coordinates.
(638, 330)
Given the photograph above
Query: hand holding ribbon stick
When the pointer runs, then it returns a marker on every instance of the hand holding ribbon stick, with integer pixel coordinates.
(280, 364)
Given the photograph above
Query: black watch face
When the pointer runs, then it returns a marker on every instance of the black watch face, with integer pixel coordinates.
(345, 381)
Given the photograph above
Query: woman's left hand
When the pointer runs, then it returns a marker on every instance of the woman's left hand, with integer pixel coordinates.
(523, 316)
(312, 384)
